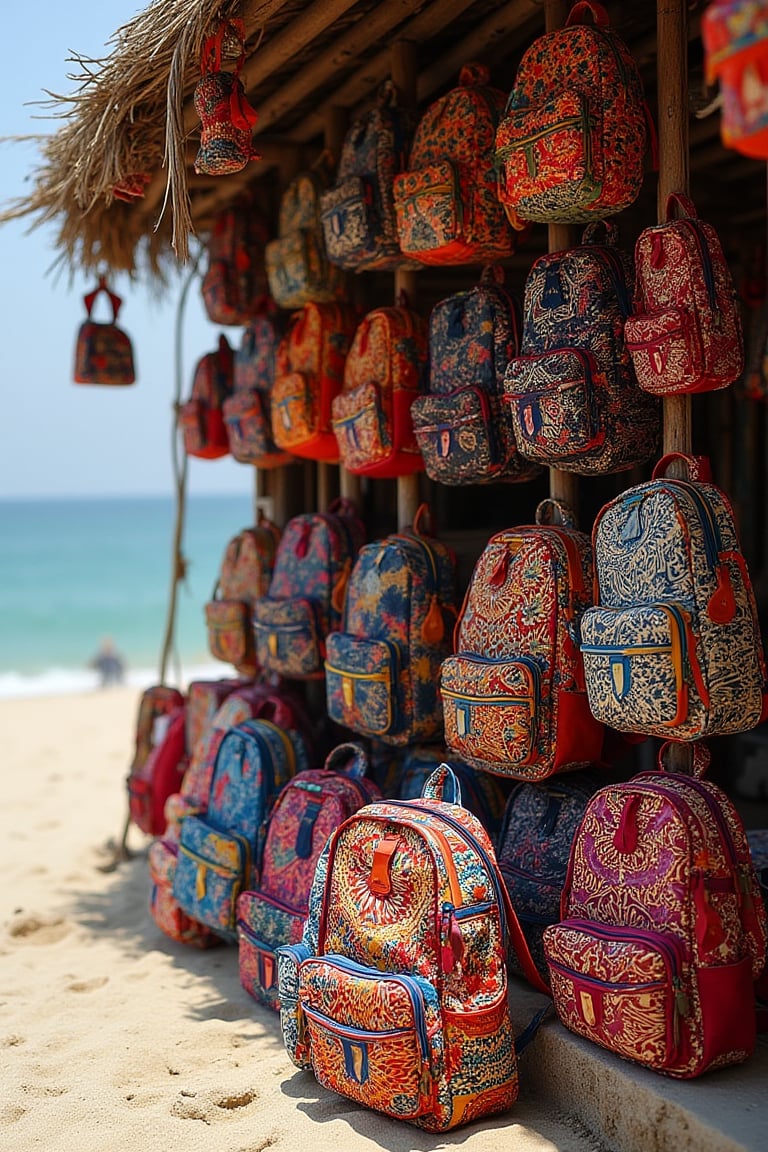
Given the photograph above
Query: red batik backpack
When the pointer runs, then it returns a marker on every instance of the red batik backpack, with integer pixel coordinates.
(235, 285)
(247, 411)
(735, 37)
(201, 418)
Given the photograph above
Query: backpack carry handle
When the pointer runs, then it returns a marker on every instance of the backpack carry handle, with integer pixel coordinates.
(220, 43)
(580, 10)
(699, 757)
(422, 521)
(551, 511)
(349, 758)
(442, 784)
(684, 203)
(90, 298)
(696, 468)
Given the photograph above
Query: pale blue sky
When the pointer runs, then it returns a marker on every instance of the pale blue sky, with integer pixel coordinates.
(56, 437)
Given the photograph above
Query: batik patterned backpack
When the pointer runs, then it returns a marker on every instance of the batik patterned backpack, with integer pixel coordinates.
(204, 698)
(307, 810)
(160, 775)
(358, 211)
(397, 995)
(735, 37)
(663, 926)
(383, 375)
(298, 268)
(446, 203)
(247, 413)
(672, 645)
(513, 694)
(201, 417)
(574, 401)
(310, 373)
(382, 667)
(685, 334)
(306, 593)
(235, 288)
(461, 425)
(244, 576)
(220, 850)
(572, 141)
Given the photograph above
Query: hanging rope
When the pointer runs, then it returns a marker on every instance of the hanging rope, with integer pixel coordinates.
(179, 465)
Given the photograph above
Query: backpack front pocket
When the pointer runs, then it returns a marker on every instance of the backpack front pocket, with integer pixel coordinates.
(428, 207)
(263, 925)
(553, 403)
(350, 224)
(641, 670)
(288, 638)
(456, 436)
(362, 679)
(249, 427)
(360, 428)
(619, 987)
(294, 410)
(666, 351)
(490, 708)
(369, 1034)
(230, 634)
(549, 157)
(212, 868)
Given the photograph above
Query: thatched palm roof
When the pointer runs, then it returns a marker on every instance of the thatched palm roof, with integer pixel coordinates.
(309, 65)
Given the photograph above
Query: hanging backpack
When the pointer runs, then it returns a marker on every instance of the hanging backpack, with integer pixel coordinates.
(244, 576)
(572, 141)
(574, 401)
(220, 850)
(234, 287)
(663, 926)
(309, 375)
(446, 202)
(246, 412)
(533, 850)
(672, 644)
(461, 425)
(160, 756)
(514, 701)
(307, 810)
(306, 593)
(382, 377)
(735, 38)
(685, 334)
(382, 666)
(201, 417)
(358, 210)
(298, 268)
(204, 698)
(397, 996)
(103, 351)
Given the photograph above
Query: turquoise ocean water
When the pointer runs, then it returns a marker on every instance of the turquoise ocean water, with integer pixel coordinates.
(73, 571)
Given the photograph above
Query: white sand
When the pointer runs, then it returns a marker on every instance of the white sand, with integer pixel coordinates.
(112, 1037)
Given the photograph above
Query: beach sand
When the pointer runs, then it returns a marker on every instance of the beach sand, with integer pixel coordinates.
(112, 1037)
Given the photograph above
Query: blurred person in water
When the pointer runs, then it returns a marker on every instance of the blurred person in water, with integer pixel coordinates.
(108, 663)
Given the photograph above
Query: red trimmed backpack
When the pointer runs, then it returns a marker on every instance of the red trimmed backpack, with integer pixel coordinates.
(103, 351)
(572, 141)
(735, 37)
(247, 413)
(234, 287)
(160, 758)
(201, 417)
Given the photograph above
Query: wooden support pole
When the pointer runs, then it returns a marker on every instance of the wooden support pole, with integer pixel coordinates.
(562, 485)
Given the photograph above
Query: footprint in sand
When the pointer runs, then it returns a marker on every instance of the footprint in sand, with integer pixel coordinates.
(38, 929)
(206, 1107)
(12, 1041)
(88, 985)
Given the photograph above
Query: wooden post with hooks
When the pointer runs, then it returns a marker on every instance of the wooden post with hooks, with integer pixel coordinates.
(404, 71)
(563, 486)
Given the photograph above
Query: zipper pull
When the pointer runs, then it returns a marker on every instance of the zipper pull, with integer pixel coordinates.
(200, 882)
(425, 1080)
(433, 628)
(452, 948)
(709, 930)
(499, 573)
(721, 606)
(302, 544)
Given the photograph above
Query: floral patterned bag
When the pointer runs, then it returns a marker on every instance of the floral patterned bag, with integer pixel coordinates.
(201, 417)
(663, 926)
(735, 37)
(247, 412)
(103, 352)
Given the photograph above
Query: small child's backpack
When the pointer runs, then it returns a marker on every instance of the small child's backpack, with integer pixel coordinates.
(298, 268)
(382, 666)
(735, 38)
(533, 850)
(514, 700)
(235, 288)
(306, 593)
(672, 645)
(572, 141)
(685, 334)
(397, 996)
(461, 424)
(220, 849)
(383, 374)
(309, 375)
(244, 576)
(574, 401)
(159, 759)
(246, 412)
(358, 210)
(446, 202)
(307, 810)
(663, 930)
(201, 417)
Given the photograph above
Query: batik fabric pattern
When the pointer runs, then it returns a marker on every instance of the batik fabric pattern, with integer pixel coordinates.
(663, 929)
(247, 412)
(163, 906)
(672, 647)
(462, 426)
(383, 374)
(234, 288)
(513, 693)
(201, 417)
(244, 576)
(735, 38)
(572, 141)
(572, 393)
(402, 1006)
(446, 203)
(157, 703)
